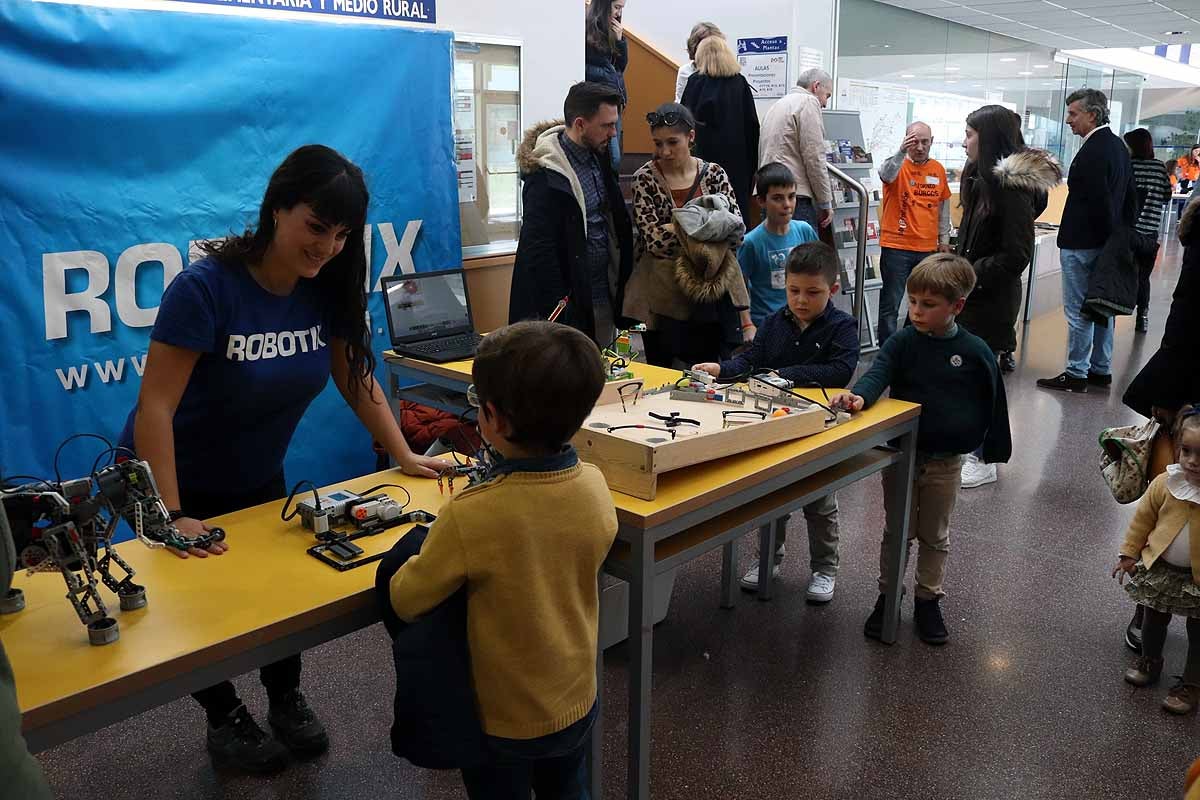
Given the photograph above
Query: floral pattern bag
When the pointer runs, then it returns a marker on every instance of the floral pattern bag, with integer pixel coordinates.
(1125, 459)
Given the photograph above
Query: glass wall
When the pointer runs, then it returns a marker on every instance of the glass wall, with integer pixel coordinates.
(947, 70)
(487, 131)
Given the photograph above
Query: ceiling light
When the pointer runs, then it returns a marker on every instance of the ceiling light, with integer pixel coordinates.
(1175, 33)
(951, 81)
(1024, 73)
(907, 75)
(1041, 66)
(999, 88)
(1008, 59)
(952, 69)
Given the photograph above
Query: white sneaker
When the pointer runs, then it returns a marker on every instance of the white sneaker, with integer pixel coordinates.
(750, 579)
(976, 473)
(820, 588)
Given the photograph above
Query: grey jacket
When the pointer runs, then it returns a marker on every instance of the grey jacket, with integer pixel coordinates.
(793, 133)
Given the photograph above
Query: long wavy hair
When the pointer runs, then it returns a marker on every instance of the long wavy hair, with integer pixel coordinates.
(335, 189)
(598, 32)
(998, 130)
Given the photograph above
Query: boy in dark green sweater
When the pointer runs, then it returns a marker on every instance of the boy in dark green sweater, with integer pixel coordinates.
(953, 375)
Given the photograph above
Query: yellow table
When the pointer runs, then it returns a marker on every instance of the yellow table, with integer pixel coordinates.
(700, 508)
(206, 620)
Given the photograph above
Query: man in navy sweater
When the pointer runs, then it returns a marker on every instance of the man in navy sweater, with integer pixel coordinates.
(811, 343)
(1101, 199)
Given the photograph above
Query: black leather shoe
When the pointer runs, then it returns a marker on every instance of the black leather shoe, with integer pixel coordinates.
(297, 726)
(1133, 632)
(930, 625)
(1007, 362)
(1064, 383)
(873, 629)
(1096, 379)
(238, 742)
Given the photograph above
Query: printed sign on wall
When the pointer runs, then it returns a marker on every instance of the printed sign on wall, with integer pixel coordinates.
(765, 64)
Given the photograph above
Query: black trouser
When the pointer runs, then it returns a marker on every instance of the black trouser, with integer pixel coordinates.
(284, 675)
(806, 211)
(1154, 636)
(1145, 267)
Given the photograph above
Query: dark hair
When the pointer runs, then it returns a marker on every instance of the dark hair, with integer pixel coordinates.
(585, 98)
(814, 258)
(1141, 143)
(1187, 418)
(543, 377)
(597, 27)
(944, 274)
(685, 122)
(700, 32)
(999, 132)
(772, 175)
(335, 189)
(1094, 102)
(1171, 164)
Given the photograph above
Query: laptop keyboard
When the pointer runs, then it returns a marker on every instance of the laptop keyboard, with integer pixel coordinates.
(464, 341)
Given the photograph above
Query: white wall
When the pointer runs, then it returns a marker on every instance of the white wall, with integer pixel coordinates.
(806, 23)
(552, 35)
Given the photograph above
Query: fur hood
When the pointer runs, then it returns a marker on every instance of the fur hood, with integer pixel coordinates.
(537, 153)
(1189, 224)
(1033, 170)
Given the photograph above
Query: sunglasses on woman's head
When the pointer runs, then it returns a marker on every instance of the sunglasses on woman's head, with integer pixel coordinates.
(671, 118)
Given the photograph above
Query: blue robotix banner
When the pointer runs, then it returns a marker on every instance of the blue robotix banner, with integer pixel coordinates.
(128, 135)
(398, 10)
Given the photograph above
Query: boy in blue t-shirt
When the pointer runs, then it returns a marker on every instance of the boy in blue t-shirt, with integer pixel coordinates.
(811, 343)
(763, 255)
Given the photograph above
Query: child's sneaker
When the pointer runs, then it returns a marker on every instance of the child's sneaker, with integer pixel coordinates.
(1183, 698)
(1144, 672)
(239, 742)
(976, 473)
(749, 581)
(930, 625)
(297, 727)
(820, 588)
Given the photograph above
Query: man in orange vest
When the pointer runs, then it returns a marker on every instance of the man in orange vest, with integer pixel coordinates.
(914, 218)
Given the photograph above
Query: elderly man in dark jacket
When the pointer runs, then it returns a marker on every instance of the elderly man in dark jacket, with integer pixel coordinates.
(1101, 200)
(576, 238)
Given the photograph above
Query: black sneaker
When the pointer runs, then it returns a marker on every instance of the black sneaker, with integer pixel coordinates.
(873, 629)
(1064, 383)
(1096, 379)
(297, 726)
(238, 742)
(930, 625)
(1143, 322)
(1133, 632)
(1007, 362)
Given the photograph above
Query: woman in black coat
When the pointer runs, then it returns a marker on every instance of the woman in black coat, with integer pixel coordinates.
(727, 122)
(606, 54)
(1004, 189)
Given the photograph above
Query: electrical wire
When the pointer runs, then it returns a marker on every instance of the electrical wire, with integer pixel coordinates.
(115, 451)
(33, 478)
(810, 400)
(286, 517)
(408, 497)
(71, 438)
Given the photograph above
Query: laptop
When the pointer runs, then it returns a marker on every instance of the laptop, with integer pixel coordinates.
(429, 316)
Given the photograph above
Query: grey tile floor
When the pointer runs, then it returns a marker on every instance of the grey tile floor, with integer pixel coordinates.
(787, 700)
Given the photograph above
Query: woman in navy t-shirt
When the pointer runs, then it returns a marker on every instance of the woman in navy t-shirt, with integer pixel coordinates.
(245, 339)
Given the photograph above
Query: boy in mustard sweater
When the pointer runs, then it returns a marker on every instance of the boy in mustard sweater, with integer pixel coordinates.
(528, 543)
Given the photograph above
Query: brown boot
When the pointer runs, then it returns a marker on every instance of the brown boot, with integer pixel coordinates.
(1144, 672)
(1182, 698)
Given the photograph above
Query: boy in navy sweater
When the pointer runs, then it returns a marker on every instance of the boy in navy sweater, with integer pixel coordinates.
(811, 343)
(953, 375)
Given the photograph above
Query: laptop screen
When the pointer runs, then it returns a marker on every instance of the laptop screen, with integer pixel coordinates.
(427, 306)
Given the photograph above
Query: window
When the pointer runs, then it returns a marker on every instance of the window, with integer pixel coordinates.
(487, 132)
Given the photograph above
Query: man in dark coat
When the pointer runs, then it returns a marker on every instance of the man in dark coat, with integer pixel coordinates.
(1101, 199)
(576, 238)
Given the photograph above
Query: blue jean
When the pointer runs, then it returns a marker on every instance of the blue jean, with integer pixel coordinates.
(805, 211)
(553, 766)
(614, 149)
(896, 266)
(1089, 344)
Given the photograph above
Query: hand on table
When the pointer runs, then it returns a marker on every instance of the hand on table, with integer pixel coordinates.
(847, 401)
(194, 528)
(422, 466)
(710, 368)
(1125, 566)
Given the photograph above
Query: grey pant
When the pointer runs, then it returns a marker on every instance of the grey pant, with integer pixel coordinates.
(822, 519)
